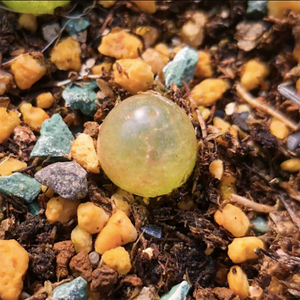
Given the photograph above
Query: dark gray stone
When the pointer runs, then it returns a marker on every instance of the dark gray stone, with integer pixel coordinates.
(74, 290)
(219, 113)
(20, 185)
(153, 230)
(51, 31)
(240, 119)
(82, 98)
(293, 141)
(55, 140)
(182, 67)
(67, 179)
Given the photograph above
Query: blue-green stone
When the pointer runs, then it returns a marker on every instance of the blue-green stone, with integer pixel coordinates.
(82, 98)
(257, 9)
(21, 186)
(55, 140)
(74, 290)
(260, 225)
(76, 26)
(34, 208)
(178, 292)
(182, 67)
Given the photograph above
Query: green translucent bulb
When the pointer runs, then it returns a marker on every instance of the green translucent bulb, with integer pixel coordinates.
(35, 7)
(147, 145)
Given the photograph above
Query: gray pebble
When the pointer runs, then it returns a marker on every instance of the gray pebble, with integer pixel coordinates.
(51, 31)
(20, 185)
(67, 179)
(94, 257)
(74, 290)
(182, 67)
(55, 140)
(293, 141)
(178, 292)
(240, 119)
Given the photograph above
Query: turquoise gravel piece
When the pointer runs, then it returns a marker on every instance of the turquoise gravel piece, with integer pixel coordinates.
(182, 67)
(55, 140)
(82, 98)
(21, 186)
(74, 290)
(34, 208)
(257, 9)
(178, 292)
(260, 225)
(76, 26)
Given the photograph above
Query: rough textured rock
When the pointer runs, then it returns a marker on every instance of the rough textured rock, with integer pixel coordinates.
(218, 293)
(92, 129)
(55, 139)
(21, 186)
(80, 265)
(74, 290)
(68, 179)
(64, 251)
(103, 279)
(182, 67)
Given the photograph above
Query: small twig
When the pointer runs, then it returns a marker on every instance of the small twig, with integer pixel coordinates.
(108, 18)
(84, 13)
(199, 117)
(253, 205)
(293, 208)
(26, 169)
(42, 290)
(64, 82)
(269, 110)
(135, 245)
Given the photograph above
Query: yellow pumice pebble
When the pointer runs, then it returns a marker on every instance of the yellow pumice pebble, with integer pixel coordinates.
(238, 282)
(91, 217)
(8, 165)
(84, 152)
(118, 259)
(242, 249)
(233, 219)
(61, 210)
(44, 100)
(14, 264)
(118, 231)
(82, 240)
(33, 116)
